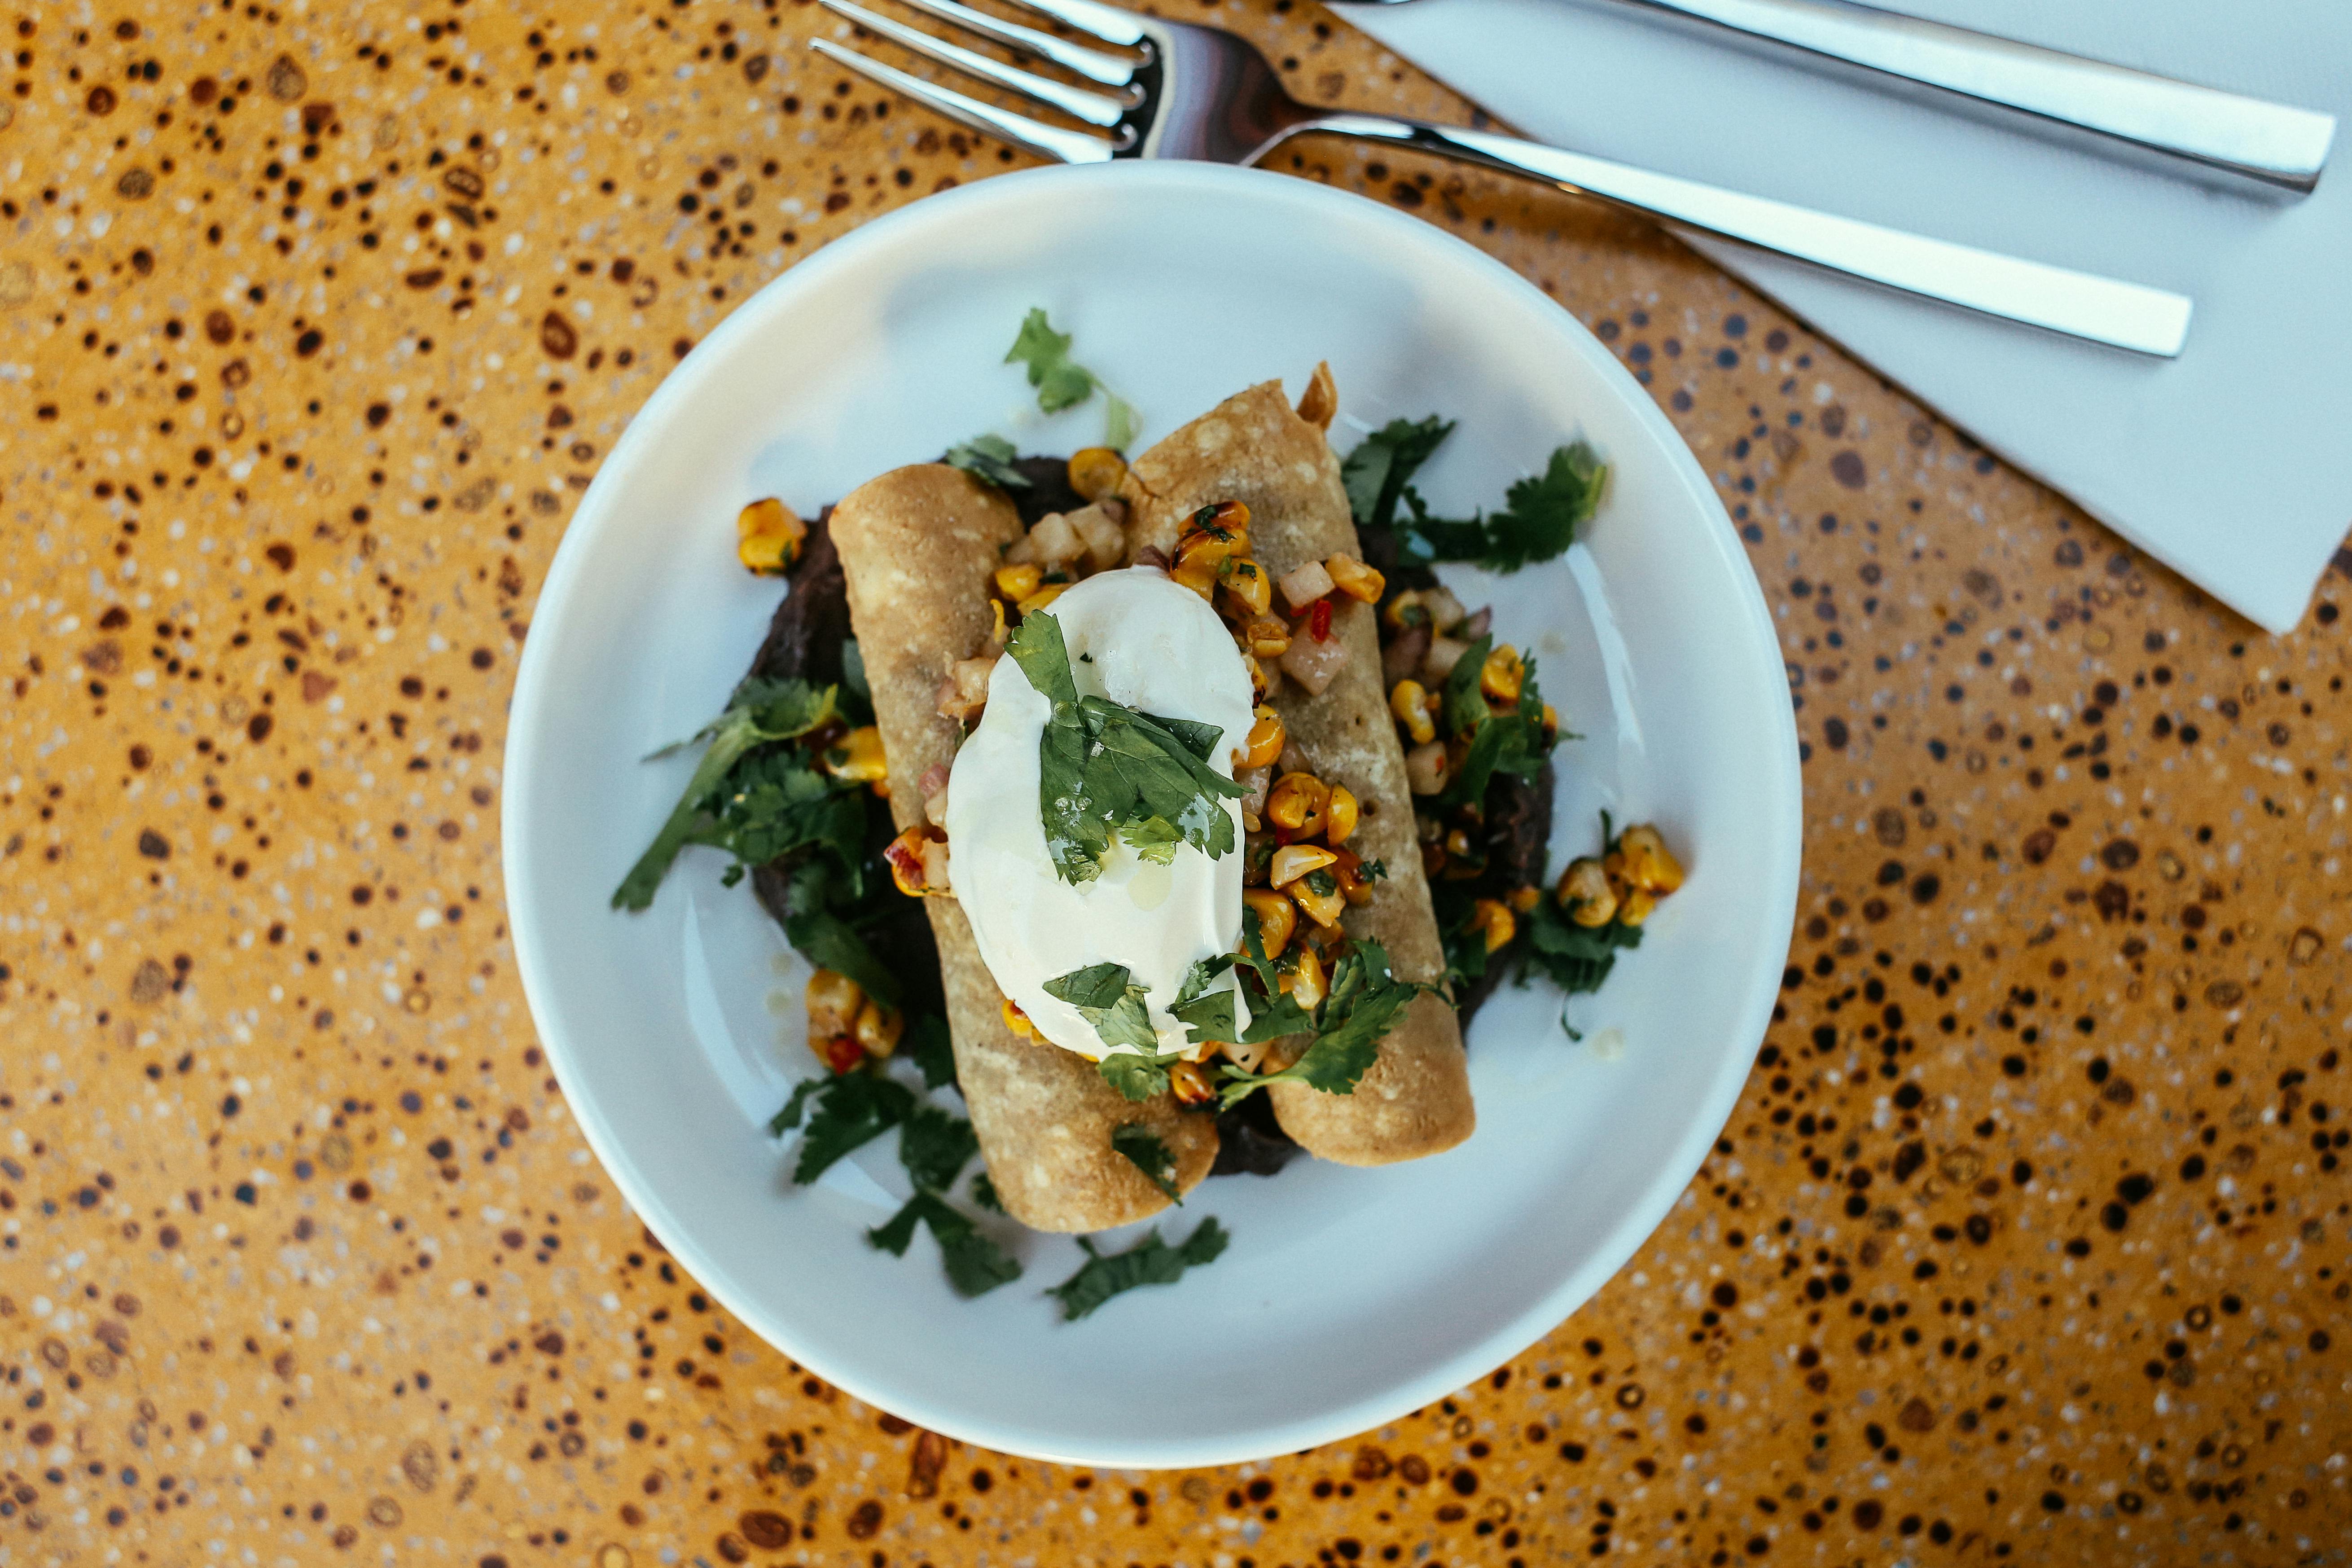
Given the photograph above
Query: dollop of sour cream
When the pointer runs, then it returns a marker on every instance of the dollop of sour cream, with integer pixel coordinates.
(1143, 641)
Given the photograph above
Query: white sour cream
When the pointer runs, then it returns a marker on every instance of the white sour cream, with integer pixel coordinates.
(1141, 640)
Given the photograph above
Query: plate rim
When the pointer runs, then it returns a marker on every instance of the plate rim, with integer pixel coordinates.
(532, 945)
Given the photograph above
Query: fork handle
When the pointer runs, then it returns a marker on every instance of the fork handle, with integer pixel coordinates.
(2080, 304)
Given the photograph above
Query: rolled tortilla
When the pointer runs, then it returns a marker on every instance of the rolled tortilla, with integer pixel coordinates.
(1255, 449)
(916, 546)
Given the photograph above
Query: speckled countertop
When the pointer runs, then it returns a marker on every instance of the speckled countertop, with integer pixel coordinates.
(2028, 1240)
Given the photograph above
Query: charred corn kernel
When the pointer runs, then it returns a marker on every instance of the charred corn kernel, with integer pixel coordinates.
(1408, 702)
(997, 633)
(878, 1028)
(1277, 916)
(1500, 676)
(1493, 916)
(1323, 908)
(1585, 893)
(1522, 900)
(1095, 471)
(1261, 680)
(1189, 1083)
(1267, 636)
(1405, 610)
(1043, 597)
(1636, 906)
(1297, 804)
(1265, 743)
(856, 757)
(1198, 574)
(1459, 844)
(768, 537)
(1649, 864)
(1220, 528)
(1339, 816)
(1550, 722)
(1349, 870)
(1293, 861)
(834, 1000)
(1017, 582)
(1355, 579)
(1306, 985)
(1016, 1020)
(911, 855)
(1252, 589)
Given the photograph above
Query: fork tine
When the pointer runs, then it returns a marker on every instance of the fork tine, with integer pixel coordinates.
(1075, 101)
(1032, 135)
(1108, 22)
(1095, 65)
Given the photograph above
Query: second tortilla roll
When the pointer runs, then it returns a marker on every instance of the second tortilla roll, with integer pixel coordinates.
(1256, 449)
(917, 546)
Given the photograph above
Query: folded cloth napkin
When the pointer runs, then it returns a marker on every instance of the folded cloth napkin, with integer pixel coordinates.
(2232, 464)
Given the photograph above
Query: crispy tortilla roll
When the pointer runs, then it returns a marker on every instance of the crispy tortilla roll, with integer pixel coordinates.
(916, 546)
(1255, 449)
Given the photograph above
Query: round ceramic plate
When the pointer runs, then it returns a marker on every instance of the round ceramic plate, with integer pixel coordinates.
(1347, 1298)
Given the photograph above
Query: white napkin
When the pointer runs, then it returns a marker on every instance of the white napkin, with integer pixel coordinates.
(2232, 464)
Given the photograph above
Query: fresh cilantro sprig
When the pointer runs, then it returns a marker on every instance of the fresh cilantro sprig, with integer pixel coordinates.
(1143, 1149)
(1511, 742)
(1362, 1005)
(1575, 958)
(975, 1264)
(1540, 514)
(1063, 382)
(773, 803)
(1104, 767)
(1151, 1261)
(850, 1111)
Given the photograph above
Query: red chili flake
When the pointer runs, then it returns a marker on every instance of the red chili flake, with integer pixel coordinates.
(1318, 620)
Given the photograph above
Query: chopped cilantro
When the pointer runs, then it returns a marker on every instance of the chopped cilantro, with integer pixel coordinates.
(1107, 996)
(930, 1049)
(988, 459)
(984, 1193)
(1103, 766)
(1539, 520)
(1136, 1075)
(935, 1146)
(1142, 1149)
(975, 1264)
(828, 942)
(771, 805)
(1575, 958)
(1361, 1007)
(851, 1110)
(1151, 1261)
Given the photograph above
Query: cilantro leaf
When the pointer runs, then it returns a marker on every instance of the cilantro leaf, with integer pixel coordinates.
(930, 1048)
(1060, 383)
(1151, 1261)
(852, 1110)
(990, 459)
(1144, 1151)
(1039, 647)
(1136, 1075)
(984, 1193)
(1377, 472)
(1154, 840)
(1539, 519)
(828, 942)
(1576, 958)
(758, 712)
(1463, 707)
(1122, 423)
(1109, 999)
(1357, 1012)
(935, 1146)
(975, 1265)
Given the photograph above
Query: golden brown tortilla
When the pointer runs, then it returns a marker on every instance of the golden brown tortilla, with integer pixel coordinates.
(917, 547)
(1255, 449)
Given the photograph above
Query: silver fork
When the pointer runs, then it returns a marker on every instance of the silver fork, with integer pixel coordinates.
(1156, 88)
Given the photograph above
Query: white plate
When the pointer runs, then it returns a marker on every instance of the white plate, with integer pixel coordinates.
(1348, 1297)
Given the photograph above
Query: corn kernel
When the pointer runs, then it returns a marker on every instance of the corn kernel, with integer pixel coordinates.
(1410, 703)
(914, 856)
(1349, 870)
(1649, 864)
(1293, 861)
(1095, 471)
(1428, 769)
(878, 1028)
(1251, 588)
(1043, 597)
(1585, 893)
(1493, 916)
(1323, 909)
(856, 757)
(1501, 676)
(1277, 916)
(1017, 582)
(1405, 611)
(832, 1000)
(1267, 636)
(1339, 816)
(1261, 676)
(1550, 723)
(1636, 906)
(1189, 1083)
(1297, 804)
(769, 536)
(1522, 900)
(1198, 574)
(996, 632)
(1222, 528)
(1306, 985)
(1016, 1020)
(1355, 579)
(1265, 743)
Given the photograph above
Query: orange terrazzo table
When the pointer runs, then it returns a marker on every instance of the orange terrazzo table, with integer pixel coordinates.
(2028, 1240)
